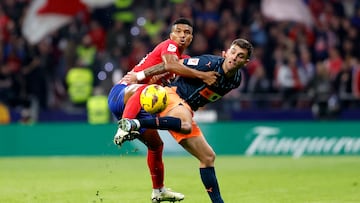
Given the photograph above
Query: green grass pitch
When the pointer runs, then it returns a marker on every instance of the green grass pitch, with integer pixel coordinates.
(125, 179)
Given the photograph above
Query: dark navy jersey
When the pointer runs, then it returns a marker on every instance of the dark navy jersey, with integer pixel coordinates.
(195, 92)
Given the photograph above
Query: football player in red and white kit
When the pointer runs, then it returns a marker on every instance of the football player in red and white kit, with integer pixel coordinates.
(167, 53)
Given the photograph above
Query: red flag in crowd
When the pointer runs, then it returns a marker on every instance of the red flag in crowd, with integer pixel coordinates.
(46, 16)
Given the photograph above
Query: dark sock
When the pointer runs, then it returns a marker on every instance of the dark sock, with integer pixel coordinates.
(209, 180)
(162, 123)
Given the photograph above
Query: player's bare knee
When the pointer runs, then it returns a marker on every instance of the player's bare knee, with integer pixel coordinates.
(211, 158)
(208, 160)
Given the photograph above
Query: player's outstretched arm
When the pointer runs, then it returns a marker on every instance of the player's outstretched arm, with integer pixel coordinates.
(172, 64)
(134, 77)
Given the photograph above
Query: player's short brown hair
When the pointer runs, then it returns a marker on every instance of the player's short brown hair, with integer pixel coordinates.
(243, 43)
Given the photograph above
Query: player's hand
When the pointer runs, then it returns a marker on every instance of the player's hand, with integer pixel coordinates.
(130, 78)
(210, 77)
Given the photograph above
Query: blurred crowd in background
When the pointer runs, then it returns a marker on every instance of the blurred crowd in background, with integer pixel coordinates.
(295, 66)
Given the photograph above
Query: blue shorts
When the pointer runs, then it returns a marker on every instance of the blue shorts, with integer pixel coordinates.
(116, 100)
(117, 106)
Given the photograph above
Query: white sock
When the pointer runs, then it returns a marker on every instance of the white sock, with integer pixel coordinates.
(137, 124)
(159, 190)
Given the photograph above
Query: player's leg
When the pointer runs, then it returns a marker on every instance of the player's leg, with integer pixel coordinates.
(120, 95)
(133, 106)
(161, 123)
(198, 147)
(177, 117)
(116, 104)
(178, 109)
(152, 140)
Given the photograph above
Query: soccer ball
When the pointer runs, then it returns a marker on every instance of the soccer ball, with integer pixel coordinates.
(153, 99)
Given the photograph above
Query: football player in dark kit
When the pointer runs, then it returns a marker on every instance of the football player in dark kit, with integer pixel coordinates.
(186, 96)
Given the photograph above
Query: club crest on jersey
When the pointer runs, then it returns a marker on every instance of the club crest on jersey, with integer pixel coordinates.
(171, 48)
(193, 61)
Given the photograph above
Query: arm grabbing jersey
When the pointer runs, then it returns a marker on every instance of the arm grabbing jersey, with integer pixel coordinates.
(198, 94)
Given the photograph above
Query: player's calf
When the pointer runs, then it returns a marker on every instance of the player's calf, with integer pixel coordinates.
(162, 123)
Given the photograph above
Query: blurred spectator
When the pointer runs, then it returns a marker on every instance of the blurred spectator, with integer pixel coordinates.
(97, 35)
(86, 52)
(124, 11)
(199, 45)
(256, 61)
(79, 80)
(259, 83)
(289, 80)
(97, 107)
(153, 26)
(111, 67)
(356, 79)
(257, 29)
(39, 72)
(259, 86)
(139, 50)
(343, 83)
(118, 38)
(306, 66)
(334, 62)
(320, 90)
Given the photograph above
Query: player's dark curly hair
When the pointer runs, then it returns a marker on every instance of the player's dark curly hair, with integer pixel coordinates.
(182, 21)
(243, 43)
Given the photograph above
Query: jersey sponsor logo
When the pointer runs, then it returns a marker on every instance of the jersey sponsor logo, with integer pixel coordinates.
(193, 61)
(171, 48)
(210, 95)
